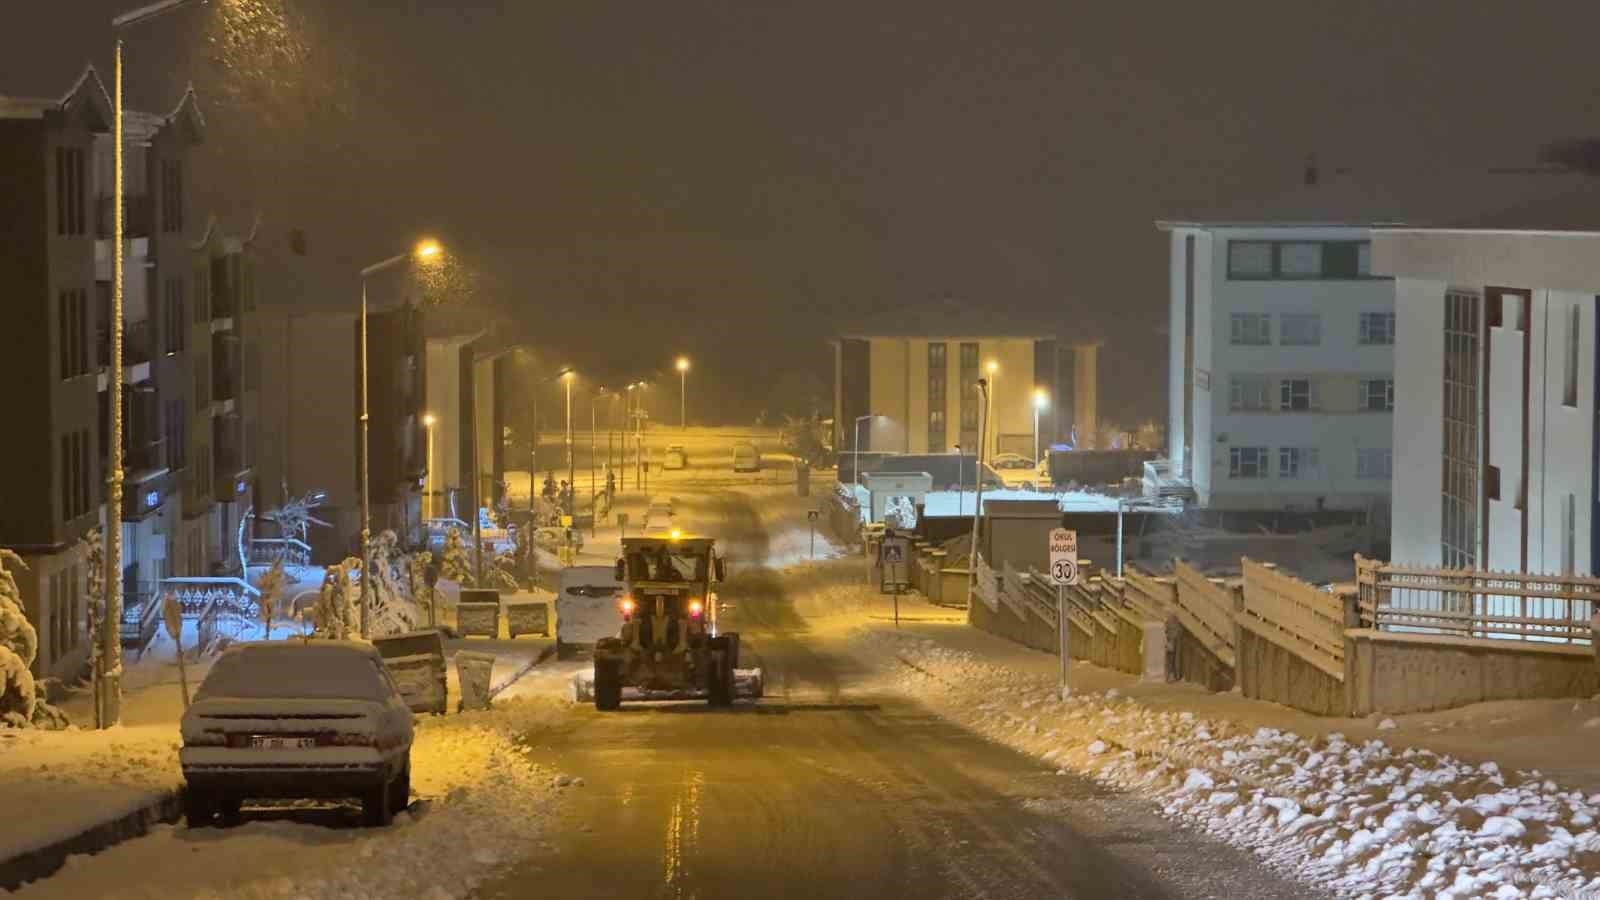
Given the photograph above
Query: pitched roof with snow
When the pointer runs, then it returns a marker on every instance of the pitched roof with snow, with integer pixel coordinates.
(947, 318)
(1436, 198)
(87, 93)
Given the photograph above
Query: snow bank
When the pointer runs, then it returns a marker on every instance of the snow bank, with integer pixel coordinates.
(1359, 818)
(479, 805)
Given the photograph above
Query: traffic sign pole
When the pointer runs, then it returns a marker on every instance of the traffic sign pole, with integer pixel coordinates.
(1064, 571)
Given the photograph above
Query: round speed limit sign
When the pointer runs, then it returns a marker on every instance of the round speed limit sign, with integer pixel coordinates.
(1064, 571)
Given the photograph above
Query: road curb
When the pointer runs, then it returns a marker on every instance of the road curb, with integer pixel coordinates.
(46, 861)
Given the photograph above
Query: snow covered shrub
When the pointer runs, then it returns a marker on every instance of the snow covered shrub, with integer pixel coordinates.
(337, 614)
(22, 701)
(270, 586)
(456, 566)
(392, 609)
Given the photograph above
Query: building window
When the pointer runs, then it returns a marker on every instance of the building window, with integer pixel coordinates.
(73, 323)
(1377, 395)
(171, 196)
(1569, 385)
(1376, 328)
(1459, 496)
(938, 378)
(1247, 393)
(1300, 329)
(175, 323)
(1569, 534)
(70, 215)
(1249, 259)
(1296, 395)
(1250, 328)
(1247, 462)
(1297, 462)
(1289, 260)
(969, 394)
(1374, 462)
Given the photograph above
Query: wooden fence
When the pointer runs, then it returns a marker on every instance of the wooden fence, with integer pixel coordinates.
(1206, 608)
(1476, 603)
(1294, 615)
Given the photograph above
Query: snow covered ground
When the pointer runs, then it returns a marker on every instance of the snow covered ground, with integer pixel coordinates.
(478, 804)
(1364, 817)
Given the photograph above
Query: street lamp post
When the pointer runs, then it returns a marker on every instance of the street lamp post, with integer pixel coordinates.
(572, 466)
(427, 491)
(108, 695)
(977, 506)
(985, 446)
(424, 251)
(855, 440)
(683, 392)
(1040, 401)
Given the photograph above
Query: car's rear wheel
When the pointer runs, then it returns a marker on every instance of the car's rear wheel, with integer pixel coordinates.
(197, 808)
(377, 806)
(400, 788)
(607, 684)
(231, 806)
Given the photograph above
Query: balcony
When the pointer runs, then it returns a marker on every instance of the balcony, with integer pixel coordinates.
(144, 458)
(137, 216)
(135, 344)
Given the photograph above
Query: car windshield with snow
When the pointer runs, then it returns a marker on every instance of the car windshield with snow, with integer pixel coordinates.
(296, 719)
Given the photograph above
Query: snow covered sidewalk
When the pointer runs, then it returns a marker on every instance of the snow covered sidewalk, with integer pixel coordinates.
(1363, 816)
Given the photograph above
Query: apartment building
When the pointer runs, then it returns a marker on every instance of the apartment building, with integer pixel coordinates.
(1281, 391)
(906, 381)
(1497, 463)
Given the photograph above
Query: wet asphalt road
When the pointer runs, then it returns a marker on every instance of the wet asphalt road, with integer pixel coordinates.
(820, 791)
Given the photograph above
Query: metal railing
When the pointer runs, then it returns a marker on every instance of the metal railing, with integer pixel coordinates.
(141, 613)
(292, 551)
(1476, 603)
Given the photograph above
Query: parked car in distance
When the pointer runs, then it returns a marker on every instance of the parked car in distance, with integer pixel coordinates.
(296, 719)
(658, 516)
(1016, 471)
(675, 458)
(746, 458)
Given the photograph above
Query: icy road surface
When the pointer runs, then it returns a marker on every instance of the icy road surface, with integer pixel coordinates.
(829, 789)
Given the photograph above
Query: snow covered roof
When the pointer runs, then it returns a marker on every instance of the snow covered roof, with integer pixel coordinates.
(1433, 198)
(87, 93)
(948, 318)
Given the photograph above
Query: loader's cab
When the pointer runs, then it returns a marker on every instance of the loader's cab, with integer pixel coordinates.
(667, 638)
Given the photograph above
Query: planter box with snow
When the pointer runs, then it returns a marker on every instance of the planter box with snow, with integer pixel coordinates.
(527, 617)
(416, 662)
(478, 619)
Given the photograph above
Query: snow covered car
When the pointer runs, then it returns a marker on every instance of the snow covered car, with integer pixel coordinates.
(675, 458)
(746, 458)
(586, 609)
(293, 719)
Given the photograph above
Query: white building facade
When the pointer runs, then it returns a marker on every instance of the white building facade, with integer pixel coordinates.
(1495, 458)
(1281, 382)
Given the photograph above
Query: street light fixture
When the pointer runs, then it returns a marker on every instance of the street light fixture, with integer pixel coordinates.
(683, 392)
(108, 692)
(425, 251)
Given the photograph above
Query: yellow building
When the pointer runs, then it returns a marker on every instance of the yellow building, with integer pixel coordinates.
(907, 381)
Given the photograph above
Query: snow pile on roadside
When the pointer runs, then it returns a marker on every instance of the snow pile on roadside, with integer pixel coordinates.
(69, 781)
(1360, 818)
(479, 805)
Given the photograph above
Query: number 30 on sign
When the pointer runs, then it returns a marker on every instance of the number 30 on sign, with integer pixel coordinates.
(1064, 556)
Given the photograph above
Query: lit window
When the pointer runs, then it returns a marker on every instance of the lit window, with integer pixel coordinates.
(1247, 462)
(1377, 395)
(1296, 395)
(1297, 462)
(1376, 328)
(1251, 328)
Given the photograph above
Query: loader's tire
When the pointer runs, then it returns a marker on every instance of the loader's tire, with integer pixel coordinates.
(198, 808)
(607, 684)
(732, 639)
(719, 674)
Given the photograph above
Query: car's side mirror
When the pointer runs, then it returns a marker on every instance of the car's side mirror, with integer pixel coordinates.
(721, 567)
(621, 571)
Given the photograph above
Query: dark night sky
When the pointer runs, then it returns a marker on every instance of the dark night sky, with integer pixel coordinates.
(724, 177)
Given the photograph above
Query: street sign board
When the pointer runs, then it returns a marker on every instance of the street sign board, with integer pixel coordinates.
(1063, 556)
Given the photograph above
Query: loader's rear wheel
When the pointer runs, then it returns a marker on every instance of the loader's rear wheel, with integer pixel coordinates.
(719, 675)
(607, 684)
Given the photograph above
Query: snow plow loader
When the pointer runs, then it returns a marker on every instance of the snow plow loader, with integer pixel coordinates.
(668, 645)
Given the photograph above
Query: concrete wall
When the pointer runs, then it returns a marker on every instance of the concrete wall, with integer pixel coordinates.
(1401, 673)
(1419, 402)
(898, 392)
(1267, 671)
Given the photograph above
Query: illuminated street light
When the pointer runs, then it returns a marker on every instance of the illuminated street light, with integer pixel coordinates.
(683, 392)
(424, 251)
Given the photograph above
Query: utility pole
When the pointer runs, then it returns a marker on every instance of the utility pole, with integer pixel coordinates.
(977, 506)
